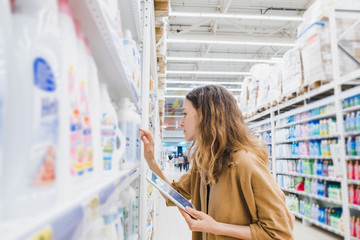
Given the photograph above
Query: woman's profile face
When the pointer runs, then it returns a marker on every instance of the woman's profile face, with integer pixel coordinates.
(189, 120)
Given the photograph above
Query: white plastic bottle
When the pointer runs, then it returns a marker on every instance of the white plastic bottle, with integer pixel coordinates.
(95, 112)
(87, 154)
(70, 169)
(129, 124)
(32, 135)
(132, 58)
(109, 133)
(5, 40)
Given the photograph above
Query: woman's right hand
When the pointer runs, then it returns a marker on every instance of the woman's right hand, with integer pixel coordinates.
(148, 141)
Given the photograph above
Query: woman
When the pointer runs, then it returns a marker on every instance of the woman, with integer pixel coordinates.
(229, 183)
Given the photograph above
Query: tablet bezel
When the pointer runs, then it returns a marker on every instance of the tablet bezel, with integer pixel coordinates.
(149, 178)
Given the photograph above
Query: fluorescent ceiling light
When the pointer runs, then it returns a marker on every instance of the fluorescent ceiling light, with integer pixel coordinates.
(236, 16)
(174, 96)
(189, 89)
(207, 72)
(201, 82)
(194, 59)
(209, 41)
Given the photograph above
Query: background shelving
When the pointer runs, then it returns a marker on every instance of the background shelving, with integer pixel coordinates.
(296, 111)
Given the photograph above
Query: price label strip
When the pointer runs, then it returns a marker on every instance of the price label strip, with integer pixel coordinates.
(45, 234)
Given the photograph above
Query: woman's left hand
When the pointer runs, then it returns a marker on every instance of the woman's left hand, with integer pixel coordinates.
(204, 223)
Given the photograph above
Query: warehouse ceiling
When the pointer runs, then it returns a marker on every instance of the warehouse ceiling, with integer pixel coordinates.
(217, 41)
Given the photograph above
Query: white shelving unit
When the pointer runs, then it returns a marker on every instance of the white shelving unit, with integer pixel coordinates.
(332, 92)
(319, 224)
(109, 58)
(61, 221)
(69, 218)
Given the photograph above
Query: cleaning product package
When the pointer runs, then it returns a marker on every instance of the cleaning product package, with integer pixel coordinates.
(112, 140)
(5, 40)
(34, 126)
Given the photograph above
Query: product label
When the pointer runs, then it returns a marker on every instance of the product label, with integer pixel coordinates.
(45, 126)
(77, 165)
(108, 127)
(127, 128)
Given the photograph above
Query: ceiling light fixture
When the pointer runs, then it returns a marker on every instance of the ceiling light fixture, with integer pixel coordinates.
(189, 89)
(236, 16)
(174, 96)
(194, 59)
(206, 72)
(230, 42)
(202, 82)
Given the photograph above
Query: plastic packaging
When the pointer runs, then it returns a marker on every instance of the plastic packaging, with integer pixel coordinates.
(95, 112)
(133, 59)
(5, 41)
(129, 124)
(112, 151)
(71, 168)
(292, 75)
(33, 128)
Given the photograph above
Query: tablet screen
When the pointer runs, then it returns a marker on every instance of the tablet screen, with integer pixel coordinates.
(169, 190)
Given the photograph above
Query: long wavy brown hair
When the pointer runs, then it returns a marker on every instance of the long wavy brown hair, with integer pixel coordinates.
(221, 130)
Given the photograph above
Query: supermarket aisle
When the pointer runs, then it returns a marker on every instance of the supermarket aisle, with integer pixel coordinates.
(171, 225)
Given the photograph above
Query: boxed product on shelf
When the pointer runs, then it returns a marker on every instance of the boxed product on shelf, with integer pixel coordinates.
(253, 95)
(275, 87)
(261, 74)
(314, 43)
(349, 42)
(292, 75)
(244, 96)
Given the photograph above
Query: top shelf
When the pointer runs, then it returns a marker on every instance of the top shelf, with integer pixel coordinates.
(109, 58)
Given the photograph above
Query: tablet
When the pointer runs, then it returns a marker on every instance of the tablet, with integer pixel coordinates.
(169, 192)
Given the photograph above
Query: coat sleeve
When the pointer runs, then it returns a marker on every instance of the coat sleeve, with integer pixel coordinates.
(271, 219)
(183, 186)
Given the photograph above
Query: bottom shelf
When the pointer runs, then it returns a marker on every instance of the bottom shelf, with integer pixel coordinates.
(66, 216)
(317, 223)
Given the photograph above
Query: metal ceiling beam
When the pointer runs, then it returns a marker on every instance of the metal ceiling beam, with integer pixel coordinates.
(237, 16)
(194, 26)
(231, 40)
(224, 9)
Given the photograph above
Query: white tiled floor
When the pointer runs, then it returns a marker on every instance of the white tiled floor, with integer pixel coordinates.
(171, 225)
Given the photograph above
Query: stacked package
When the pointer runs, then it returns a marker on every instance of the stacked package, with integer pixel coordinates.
(275, 88)
(261, 74)
(253, 89)
(315, 47)
(292, 76)
(244, 96)
(349, 42)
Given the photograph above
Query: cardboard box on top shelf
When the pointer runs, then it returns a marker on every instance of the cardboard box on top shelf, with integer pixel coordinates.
(349, 51)
(292, 73)
(316, 53)
(161, 61)
(161, 8)
(161, 82)
(244, 95)
(261, 73)
(275, 85)
(253, 96)
(159, 32)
